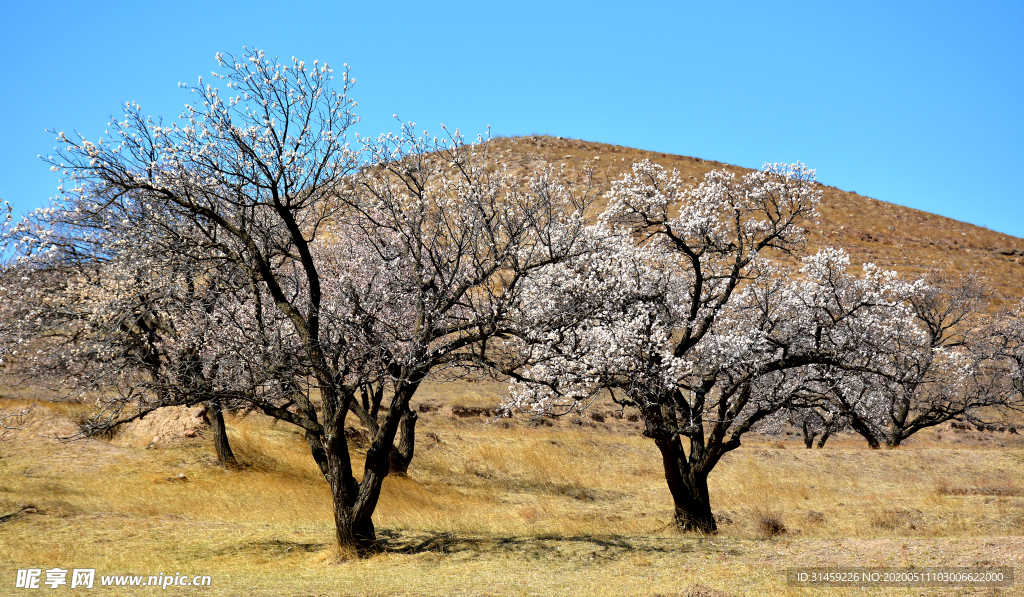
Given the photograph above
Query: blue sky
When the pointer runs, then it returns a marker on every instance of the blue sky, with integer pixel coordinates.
(916, 103)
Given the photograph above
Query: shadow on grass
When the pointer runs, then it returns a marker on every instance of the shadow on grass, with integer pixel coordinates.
(272, 548)
(600, 547)
(544, 546)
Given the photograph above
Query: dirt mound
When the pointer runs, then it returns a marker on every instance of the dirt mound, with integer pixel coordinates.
(957, 432)
(164, 426)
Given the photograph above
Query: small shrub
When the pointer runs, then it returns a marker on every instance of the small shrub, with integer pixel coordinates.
(769, 524)
(815, 517)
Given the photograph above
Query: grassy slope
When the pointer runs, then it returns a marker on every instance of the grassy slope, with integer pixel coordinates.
(907, 240)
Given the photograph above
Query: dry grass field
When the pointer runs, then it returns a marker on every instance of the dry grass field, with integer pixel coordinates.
(506, 508)
(578, 506)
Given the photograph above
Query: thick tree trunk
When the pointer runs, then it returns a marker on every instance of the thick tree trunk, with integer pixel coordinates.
(824, 438)
(860, 427)
(353, 527)
(354, 503)
(401, 455)
(221, 444)
(693, 506)
(353, 532)
(689, 488)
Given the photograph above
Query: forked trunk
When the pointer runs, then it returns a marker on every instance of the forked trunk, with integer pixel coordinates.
(221, 444)
(352, 531)
(355, 502)
(353, 528)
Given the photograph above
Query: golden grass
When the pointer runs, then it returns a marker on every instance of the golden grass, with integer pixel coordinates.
(496, 509)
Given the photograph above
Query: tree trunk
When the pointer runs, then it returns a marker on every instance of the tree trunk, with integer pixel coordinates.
(860, 427)
(215, 414)
(689, 488)
(401, 455)
(824, 437)
(353, 531)
(808, 436)
(355, 502)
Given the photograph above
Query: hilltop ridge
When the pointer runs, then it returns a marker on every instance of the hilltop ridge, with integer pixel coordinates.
(907, 240)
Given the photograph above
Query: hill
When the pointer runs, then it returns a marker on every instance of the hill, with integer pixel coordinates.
(895, 237)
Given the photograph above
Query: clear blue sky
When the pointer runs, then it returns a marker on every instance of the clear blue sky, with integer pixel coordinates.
(916, 103)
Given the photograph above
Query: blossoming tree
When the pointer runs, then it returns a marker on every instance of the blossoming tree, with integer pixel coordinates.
(329, 289)
(676, 312)
(953, 367)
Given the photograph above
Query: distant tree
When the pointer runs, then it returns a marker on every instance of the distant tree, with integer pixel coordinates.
(117, 311)
(951, 369)
(10, 420)
(1006, 336)
(815, 420)
(333, 289)
(676, 312)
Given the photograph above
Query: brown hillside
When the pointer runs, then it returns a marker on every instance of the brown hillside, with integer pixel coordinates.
(896, 237)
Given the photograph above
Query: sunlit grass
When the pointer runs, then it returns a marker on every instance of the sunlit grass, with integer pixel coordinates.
(499, 509)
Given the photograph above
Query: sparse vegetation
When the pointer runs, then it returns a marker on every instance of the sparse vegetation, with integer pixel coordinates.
(484, 503)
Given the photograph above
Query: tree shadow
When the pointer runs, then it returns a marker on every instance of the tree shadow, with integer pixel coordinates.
(569, 547)
(274, 548)
(566, 546)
